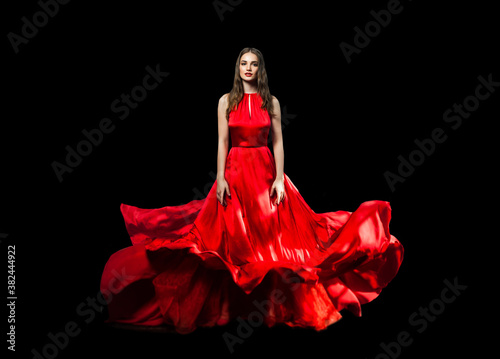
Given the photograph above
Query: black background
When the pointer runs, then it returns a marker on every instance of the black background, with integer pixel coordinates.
(352, 121)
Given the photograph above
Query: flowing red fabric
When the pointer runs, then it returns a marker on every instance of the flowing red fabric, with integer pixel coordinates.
(205, 264)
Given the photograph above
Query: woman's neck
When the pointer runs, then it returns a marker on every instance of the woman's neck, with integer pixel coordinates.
(249, 87)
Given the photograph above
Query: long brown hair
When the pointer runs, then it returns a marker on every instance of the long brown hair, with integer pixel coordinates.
(237, 92)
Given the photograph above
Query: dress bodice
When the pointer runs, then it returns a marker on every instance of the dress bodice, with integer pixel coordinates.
(249, 124)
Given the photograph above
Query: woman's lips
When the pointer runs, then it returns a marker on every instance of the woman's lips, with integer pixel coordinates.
(248, 74)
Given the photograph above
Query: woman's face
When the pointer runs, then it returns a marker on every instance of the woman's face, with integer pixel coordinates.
(248, 67)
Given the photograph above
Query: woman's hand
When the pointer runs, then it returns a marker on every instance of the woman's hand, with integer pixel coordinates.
(278, 187)
(222, 187)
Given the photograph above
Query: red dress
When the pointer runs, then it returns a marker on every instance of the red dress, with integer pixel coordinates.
(203, 264)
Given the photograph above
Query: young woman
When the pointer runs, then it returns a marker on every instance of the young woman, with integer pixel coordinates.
(252, 247)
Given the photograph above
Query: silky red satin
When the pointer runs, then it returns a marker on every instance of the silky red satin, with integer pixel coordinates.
(204, 264)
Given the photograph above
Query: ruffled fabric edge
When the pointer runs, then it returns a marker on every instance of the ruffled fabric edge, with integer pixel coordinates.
(183, 286)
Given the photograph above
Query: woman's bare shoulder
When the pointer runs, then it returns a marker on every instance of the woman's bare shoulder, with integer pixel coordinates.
(224, 98)
(275, 101)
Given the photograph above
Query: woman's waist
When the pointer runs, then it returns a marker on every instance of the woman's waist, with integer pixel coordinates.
(248, 146)
(257, 141)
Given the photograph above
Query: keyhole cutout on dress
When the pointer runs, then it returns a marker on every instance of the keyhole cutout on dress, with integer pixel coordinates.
(249, 106)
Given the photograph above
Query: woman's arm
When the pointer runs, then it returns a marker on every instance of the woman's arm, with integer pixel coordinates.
(223, 137)
(222, 185)
(278, 187)
(279, 153)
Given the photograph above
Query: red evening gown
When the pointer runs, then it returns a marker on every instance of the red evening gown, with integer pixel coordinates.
(202, 264)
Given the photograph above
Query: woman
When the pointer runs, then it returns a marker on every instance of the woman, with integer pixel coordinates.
(253, 244)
